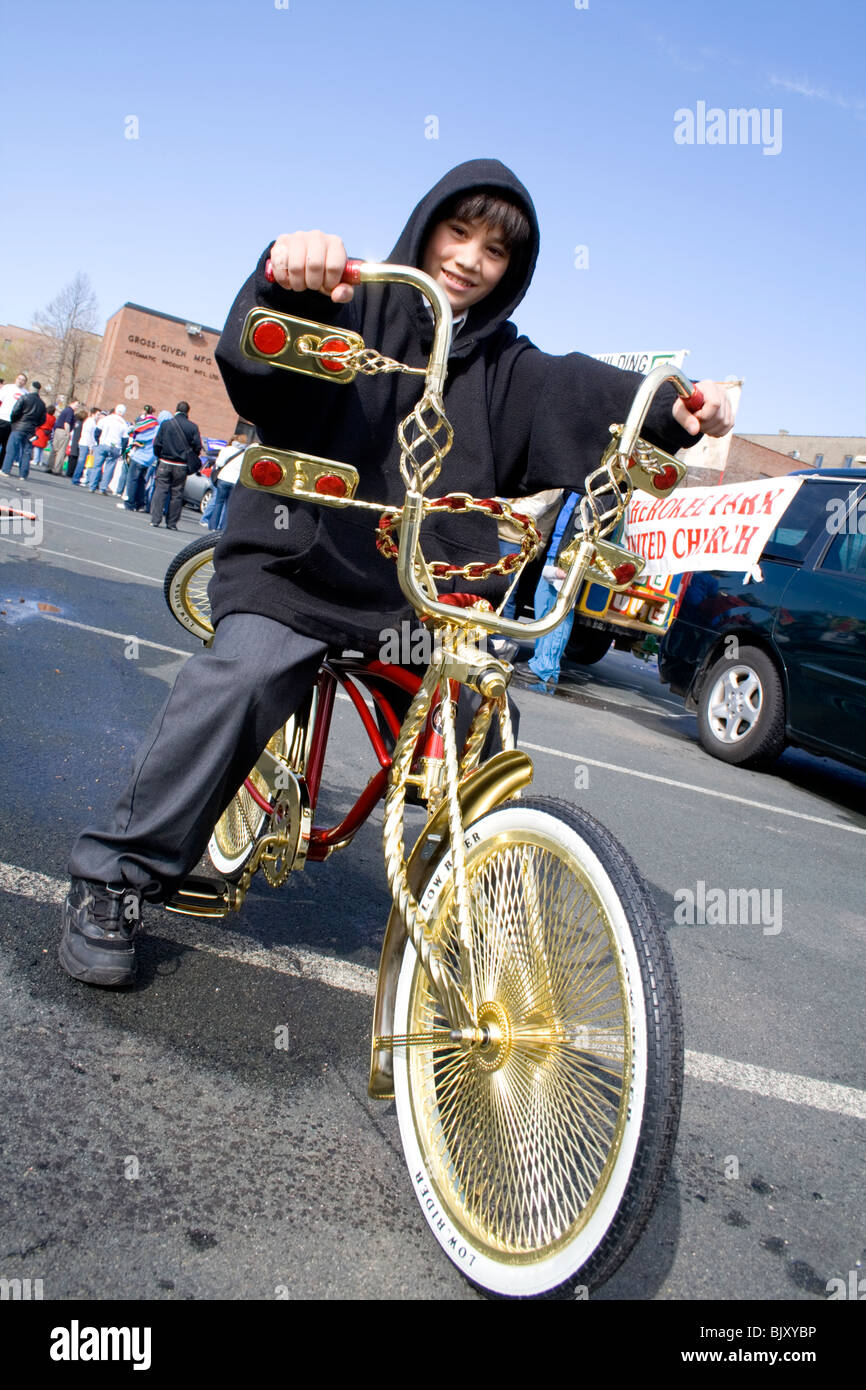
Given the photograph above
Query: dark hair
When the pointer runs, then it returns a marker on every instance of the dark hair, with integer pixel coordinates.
(182, 408)
(81, 414)
(148, 410)
(37, 385)
(509, 220)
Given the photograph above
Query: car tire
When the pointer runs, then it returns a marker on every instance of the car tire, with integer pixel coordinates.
(204, 503)
(741, 709)
(587, 645)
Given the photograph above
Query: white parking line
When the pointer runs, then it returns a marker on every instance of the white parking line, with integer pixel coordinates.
(103, 538)
(80, 559)
(692, 787)
(106, 632)
(777, 1085)
(359, 979)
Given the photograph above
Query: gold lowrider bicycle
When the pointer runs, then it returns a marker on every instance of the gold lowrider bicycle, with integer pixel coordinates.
(527, 1018)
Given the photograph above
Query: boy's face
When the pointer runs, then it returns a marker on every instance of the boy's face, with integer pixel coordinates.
(468, 259)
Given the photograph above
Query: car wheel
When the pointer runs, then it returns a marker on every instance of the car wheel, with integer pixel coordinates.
(587, 645)
(205, 500)
(741, 709)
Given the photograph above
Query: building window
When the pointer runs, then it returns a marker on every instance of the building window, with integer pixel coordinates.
(819, 461)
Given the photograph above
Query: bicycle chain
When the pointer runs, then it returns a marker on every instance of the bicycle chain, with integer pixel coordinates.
(463, 502)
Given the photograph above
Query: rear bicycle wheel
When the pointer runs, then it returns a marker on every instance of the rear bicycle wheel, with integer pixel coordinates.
(185, 587)
(244, 821)
(538, 1157)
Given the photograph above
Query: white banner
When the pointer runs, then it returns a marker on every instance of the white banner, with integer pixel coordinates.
(707, 528)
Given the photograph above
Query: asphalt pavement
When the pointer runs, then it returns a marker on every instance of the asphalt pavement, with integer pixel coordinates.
(208, 1134)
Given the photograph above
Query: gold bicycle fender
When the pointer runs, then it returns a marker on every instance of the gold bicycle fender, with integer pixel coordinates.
(498, 780)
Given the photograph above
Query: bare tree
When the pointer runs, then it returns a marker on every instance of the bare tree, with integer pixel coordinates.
(67, 322)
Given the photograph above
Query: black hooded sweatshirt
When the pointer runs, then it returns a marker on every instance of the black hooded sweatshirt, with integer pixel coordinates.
(523, 421)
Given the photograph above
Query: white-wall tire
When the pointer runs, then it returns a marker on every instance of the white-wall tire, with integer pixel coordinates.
(537, 1168)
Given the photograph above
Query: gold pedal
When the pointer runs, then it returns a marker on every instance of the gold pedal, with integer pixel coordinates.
(202, 897)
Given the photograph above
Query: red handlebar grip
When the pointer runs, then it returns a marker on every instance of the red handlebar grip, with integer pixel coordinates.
(351, 275)
(694, 401)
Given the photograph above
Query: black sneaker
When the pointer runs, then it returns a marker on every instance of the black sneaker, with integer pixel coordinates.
(99, 928)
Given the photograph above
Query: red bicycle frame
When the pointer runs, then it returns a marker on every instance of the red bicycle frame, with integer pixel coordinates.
(350, 675)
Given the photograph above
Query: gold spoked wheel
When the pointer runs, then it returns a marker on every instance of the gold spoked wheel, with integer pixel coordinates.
(243, 820)
(185, 587)
(537, 1155)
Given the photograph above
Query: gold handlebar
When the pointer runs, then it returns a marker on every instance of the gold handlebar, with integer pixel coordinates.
(313, 479)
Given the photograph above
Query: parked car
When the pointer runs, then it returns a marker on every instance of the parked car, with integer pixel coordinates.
(198, 487)
(782, 661)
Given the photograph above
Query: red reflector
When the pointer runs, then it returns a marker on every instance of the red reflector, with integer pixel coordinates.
(266, 472)
(330, 485)
(625, 572)
(270, 337)
(333, 345)
(666, 477)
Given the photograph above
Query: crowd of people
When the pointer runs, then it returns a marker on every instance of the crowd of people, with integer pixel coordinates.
(144, 463)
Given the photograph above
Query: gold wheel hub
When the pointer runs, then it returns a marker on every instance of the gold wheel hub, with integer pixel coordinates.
(496, 1048)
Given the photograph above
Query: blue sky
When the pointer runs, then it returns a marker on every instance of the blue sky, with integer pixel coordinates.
(254, 119)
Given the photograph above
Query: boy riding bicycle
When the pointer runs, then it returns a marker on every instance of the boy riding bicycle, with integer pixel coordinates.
(292, 580)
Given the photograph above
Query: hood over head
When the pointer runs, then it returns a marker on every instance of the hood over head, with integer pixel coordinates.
(492, 311)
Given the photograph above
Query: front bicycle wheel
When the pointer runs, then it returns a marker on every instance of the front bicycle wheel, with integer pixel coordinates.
(537, 1157)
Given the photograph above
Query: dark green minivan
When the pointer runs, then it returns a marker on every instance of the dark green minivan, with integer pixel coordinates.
(783, 660)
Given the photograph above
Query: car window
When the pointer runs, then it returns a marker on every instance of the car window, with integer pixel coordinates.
(847, 554)
(812, 512)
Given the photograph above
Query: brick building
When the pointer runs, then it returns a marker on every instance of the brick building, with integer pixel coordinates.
(814, 450)
(61, 368)
(150, 358)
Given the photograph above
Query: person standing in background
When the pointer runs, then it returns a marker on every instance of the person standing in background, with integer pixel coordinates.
(141, 456)
(62, 431)
(41, 439)
(177, 447)
(75, 442)
(86, 444)
(113, 430)
(9, 394)
(225, 473)
(544, 665)
(28, 414)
